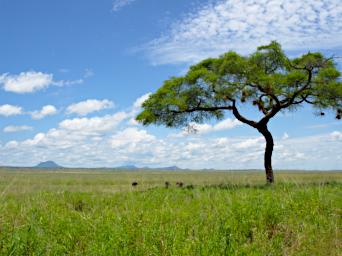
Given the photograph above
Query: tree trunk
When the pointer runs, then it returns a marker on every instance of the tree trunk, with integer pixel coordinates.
(268, 153)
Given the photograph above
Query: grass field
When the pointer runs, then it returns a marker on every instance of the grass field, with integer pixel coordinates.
(87, 212)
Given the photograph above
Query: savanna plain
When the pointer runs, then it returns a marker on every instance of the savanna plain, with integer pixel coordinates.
(94, 212)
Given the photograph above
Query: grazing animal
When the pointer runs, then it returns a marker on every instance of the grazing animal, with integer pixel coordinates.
(134, 184)
(167, 184)
(179, 184)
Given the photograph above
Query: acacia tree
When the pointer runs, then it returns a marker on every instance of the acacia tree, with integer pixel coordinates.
(266, 79)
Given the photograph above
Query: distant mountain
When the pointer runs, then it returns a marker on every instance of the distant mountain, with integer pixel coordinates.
(48, 165)
(171, 168)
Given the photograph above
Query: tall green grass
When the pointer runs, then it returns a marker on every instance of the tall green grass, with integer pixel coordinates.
(77, 213)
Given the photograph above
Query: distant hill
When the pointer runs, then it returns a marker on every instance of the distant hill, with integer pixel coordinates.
(171, 168)
(130, 167)
(48, 165)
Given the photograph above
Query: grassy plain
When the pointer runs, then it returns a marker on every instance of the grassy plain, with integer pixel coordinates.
(88, 212)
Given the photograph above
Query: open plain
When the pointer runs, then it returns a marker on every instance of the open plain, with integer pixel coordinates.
(94, 212)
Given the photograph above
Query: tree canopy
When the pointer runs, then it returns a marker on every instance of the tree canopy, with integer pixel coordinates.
(266, 79)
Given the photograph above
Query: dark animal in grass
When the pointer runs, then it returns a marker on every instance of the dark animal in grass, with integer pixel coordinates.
(190, 186)
(179, 184)
(134, 183)
(167, 184)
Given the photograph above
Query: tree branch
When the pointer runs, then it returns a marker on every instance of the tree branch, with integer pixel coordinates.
(290, 100)
(260, 88)
(241, 118)
(268, 116)
(234, 109)
(308, 101)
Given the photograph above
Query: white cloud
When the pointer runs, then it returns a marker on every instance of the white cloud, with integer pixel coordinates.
(195, 128)
(89, 106)
(136, 108)
(119, 4)
(35, 141)
(131, 137)
(248, 143)
(94, 124)
(138, 146)
(11, 144)
(109, 141)
(14, 128)
(26, 82)
(285, 136)
(242, 25)
(32, 81)
(47, 110)
(133, 122)
(336, 135)
(61, 83)
(10, 110)
(226, 124)
(139, 101)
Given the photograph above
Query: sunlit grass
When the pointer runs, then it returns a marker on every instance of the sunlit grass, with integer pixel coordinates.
(83, 212)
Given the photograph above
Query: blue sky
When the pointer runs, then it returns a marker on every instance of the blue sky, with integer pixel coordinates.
(74, 73)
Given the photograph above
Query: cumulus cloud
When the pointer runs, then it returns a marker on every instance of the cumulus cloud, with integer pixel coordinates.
(94, 124)
(47, 110)
(15, 128)
(119, 4)
(242, 25)
(26, 82)
(336, 135)
(31, 81)
(136, 108)
(72, 148)
(195, 128)
(131, 137)
(10, 110)
(108, 141)
(249, 143)
(11, 144)
(139, 101)
(89, 106)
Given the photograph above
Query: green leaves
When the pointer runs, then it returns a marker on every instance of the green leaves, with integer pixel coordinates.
(267, 79)
(311, 61)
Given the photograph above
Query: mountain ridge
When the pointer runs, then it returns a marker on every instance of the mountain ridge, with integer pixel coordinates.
(48, 165)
